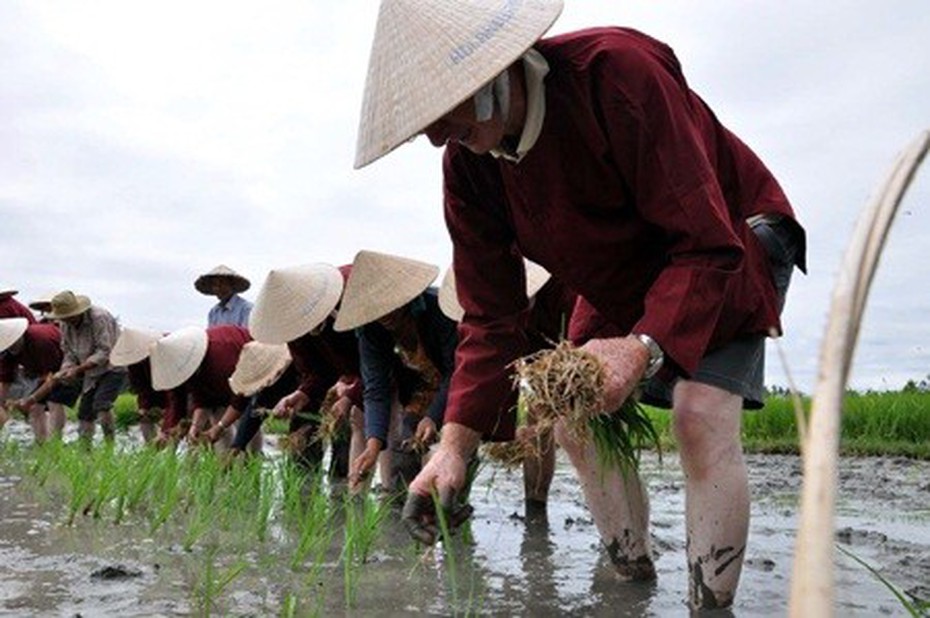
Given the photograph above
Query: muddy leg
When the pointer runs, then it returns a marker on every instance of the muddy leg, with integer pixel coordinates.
(107, 424)
(39, 422)
(619, 506)
(56, 419)
(538, 471)
(707, 428)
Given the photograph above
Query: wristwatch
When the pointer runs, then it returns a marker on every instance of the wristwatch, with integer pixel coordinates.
(656, 356)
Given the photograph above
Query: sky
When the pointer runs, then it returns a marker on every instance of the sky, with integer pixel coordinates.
(143, 143)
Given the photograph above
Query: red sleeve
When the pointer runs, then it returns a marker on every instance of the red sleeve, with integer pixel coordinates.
(490, 286)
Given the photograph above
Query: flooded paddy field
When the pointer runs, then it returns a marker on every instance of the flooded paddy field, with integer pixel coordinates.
(502, 563)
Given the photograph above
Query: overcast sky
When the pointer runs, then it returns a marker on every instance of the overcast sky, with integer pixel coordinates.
(143, 143)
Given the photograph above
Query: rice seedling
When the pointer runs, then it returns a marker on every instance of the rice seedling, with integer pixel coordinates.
(912, 608)
(214, 580)
(364, 516)
(567, 383)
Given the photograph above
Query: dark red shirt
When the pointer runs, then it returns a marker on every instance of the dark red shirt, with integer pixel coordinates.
(40, 355)
(634, 195)
(209, 386)
(322, 359)
(12, 308)
(140, 383)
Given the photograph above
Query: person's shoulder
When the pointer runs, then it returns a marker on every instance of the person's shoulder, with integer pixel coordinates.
(583, 48)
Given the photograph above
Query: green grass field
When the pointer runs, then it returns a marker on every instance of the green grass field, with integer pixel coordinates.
(893, 423)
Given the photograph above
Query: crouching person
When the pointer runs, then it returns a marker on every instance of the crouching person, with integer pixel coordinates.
(132, 351)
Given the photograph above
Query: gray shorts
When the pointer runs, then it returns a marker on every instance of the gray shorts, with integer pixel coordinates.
(739, 367)
(100, 398)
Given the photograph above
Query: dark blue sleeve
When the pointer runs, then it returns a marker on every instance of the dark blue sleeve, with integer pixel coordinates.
(376, 350)
(248, 426)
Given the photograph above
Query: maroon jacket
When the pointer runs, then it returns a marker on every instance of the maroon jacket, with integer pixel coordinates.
(41, 353)
(323, 359)
(12, 308)
(634, 194)
(209, 386)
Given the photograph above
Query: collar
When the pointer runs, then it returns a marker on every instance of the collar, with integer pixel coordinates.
(535, 68)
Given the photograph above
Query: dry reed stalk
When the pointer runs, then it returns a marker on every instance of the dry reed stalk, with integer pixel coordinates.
(568, 383)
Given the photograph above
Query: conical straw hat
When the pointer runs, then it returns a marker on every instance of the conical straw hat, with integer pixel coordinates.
(67, 304)
(259, 366)
(429, 56)
(536, 278)
(293, 301)
(204, 282)
(176, 356)
(42, 303)
(132, 346)
(11, 329)
(378, 285)
(7, 291)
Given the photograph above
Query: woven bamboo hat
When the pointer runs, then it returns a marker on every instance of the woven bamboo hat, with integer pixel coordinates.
(67, 304)
(429, 56)
(176, 356)
(259, 366)
(11, 329)
(204, 282)
(536, 277)
(6, 291)
(132, 346)
(379, 284)
(295, 300)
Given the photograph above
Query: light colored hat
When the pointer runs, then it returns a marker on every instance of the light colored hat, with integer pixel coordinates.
(132, 346)
(378, 285)
(204, 282)
(293, 301)
(6, 292)
(536, 278)
(259, 365)
(429, 56)
(67, 304)
(42, 303)
(11, 329)
(176, 356)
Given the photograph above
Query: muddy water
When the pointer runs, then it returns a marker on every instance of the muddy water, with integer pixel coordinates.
(504, 564)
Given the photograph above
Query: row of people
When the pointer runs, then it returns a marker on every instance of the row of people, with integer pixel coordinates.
(373, 340)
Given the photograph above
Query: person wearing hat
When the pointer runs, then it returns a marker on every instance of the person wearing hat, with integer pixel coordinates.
(42, 304)
(12, 308)
(296, 306)
(88, 334)
(131, 351)
(406, 348)
(551, 304)
(195, 365)
(589, 154)
(264, 373)
(226, 284)
(36, 350)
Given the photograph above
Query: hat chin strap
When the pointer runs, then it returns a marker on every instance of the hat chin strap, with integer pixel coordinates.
(496, 93)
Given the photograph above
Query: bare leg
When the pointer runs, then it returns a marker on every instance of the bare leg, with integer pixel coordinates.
(538, 471)
(86, 430)
(39, 422)
(4, 416)
(707, 428)
(108, 425)
(56, 419)
(619, 506)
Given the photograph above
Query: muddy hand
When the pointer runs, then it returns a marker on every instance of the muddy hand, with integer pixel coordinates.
(420, 518)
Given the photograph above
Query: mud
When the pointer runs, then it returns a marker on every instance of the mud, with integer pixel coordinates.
(506, 562)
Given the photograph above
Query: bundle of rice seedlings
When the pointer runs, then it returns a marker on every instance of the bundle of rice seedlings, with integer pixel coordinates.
(568, 383)
(331, 424)
(512, 454)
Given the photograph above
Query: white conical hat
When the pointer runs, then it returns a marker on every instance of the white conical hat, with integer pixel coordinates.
(132, 346)
(11, 329)
(293, 301)
(204, 282)
(379, 284)
(176, 356)
(536, 278)
(428, 56)
(259, 366)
